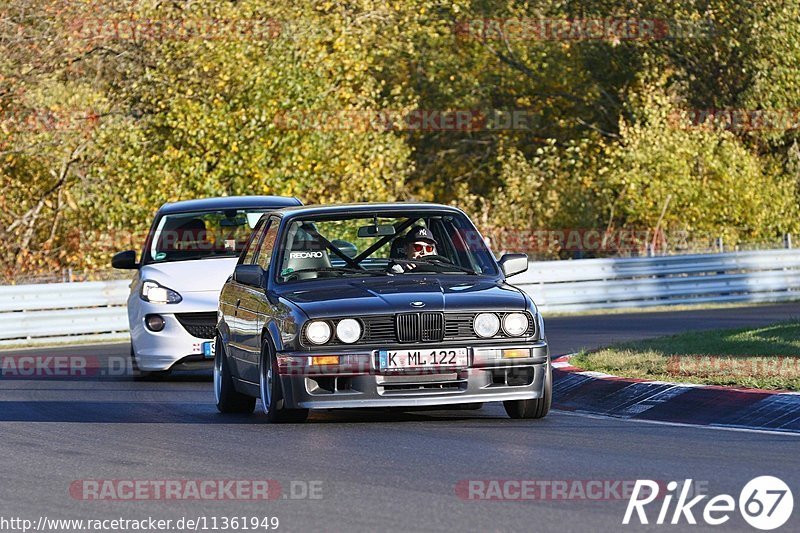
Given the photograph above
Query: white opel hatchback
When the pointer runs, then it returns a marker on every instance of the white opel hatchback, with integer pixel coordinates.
(190, 251)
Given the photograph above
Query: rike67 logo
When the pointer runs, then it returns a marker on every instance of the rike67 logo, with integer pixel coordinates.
(765, 503)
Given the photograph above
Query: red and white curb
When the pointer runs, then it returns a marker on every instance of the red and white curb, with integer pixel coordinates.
(583, 391)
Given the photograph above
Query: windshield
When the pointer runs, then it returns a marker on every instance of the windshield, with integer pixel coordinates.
(371, 245)
(201, 234)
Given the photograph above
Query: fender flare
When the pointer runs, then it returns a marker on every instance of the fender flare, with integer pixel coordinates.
(224, 331)
(272, 332)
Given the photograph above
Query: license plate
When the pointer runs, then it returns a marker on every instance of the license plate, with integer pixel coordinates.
(208, 349)
(402, 359)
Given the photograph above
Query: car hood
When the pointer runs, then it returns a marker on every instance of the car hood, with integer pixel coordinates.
(388, 296)
(202, 275)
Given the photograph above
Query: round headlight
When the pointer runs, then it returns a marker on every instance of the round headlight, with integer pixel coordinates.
(318, 332)
(486, 325)
(515, 324)
(348, 330)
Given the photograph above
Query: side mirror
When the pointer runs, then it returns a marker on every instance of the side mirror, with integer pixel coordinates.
(250, 275)
(513, 264)
(125, 260)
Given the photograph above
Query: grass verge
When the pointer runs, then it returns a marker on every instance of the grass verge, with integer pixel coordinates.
(766, 357)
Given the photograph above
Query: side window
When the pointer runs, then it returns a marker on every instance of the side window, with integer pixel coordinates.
(267, 245)
(252, 245)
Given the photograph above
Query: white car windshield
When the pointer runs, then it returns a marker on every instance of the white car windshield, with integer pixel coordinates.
(201, 235)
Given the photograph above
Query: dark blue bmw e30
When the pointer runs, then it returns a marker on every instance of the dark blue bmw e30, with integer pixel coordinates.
(376, 305)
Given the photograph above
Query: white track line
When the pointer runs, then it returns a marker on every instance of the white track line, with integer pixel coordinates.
(679, 424)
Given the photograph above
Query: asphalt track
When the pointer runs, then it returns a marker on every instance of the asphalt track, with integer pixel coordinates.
(374, 470)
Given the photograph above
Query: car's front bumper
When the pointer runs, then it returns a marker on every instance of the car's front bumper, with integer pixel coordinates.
(501, 380)
(174, 347)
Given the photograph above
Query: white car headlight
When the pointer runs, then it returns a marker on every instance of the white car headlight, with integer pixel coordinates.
(515, 324)
(318, 332)
(486, 325)
(348, 330)
(153, 292)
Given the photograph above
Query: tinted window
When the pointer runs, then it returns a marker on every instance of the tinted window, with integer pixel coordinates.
(252, 244)
(267, 246)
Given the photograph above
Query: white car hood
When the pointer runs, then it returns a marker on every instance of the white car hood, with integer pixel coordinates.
(202, 275)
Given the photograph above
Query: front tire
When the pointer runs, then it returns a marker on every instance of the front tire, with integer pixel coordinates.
(229, 400)
(537, 407)
(272, 401)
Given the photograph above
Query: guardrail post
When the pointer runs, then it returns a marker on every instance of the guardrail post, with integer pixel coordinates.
(787, 240)
(720, 245)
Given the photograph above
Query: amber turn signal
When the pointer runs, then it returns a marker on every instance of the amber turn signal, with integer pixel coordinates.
(517, 353)
(325, 360)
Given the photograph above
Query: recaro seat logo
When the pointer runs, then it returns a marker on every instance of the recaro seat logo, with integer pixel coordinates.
(306, 255)
(765, 502)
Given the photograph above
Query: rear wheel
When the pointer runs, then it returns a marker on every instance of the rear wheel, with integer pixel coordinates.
(272, 401)
(229, 400)
(537, 407)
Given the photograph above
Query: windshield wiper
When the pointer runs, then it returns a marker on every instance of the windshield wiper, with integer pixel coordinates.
(344, 270)
(438, 263)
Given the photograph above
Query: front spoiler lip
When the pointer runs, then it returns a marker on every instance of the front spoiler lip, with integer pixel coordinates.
(422, 401)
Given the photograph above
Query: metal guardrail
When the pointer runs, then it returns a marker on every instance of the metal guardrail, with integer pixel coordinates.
(589, 284)
(63, 312)
(58, 312)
